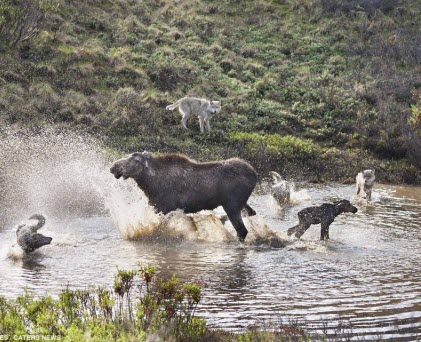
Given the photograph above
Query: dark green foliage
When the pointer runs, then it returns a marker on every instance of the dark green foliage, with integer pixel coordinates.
(21, 20)
(138, 306)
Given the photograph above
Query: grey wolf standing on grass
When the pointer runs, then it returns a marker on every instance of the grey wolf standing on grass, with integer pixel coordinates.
(203, 108)
(27, 236)
(365, 183)
(324, 214)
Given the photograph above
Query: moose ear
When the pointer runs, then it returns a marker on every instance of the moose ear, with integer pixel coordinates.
(147, 154)
(136, 155)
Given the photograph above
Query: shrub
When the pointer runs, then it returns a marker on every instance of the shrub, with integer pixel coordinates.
(276, 145)
(22, 20)
(415, 117)
(170, 73)
(130, 112)
(370, 6)
(159, 305)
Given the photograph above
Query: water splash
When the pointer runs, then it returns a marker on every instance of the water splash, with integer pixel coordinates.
(299, 196)
(129, 209)
(15, 253)
(259, 233)
(48, 171)
(64, 174)
(308, 245)
(202, 226)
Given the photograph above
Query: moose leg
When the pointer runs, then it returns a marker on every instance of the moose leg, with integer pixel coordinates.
(250, 210)
(235, 217)
(299, 229)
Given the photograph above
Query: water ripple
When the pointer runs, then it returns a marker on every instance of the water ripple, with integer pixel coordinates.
(367, 275)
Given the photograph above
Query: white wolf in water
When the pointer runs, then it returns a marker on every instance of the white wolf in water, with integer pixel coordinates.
(203, 108)
(365, 183)
(280, 189)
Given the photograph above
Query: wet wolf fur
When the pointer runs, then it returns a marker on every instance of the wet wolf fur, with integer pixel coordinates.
(174, 181)
(28, 238)
(324, 214)
(280, 189)
(365, 182)
(203, 108)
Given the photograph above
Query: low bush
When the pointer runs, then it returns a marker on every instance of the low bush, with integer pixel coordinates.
(140, 303)
(275, 145)
(22, 20)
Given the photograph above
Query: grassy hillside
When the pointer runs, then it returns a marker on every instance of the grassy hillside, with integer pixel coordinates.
(311, 88)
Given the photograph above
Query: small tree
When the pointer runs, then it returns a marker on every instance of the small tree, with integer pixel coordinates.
(21, 20)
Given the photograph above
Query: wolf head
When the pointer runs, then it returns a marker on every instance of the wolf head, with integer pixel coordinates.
(369, 177)
(215, 107)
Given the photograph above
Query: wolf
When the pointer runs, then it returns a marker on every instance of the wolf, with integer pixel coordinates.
(324, 214)
(203, 108)
(27, 236)
(365, 183)
(280, 189)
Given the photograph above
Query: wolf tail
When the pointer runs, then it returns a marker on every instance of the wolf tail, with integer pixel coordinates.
(40, 218)
(173, 106)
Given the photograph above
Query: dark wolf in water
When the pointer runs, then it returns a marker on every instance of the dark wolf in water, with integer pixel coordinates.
(28, 237)
(324, 214)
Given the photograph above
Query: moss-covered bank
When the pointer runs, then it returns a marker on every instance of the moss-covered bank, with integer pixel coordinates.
(339, 77)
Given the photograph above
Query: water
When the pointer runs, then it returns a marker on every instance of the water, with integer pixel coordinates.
(367, 275)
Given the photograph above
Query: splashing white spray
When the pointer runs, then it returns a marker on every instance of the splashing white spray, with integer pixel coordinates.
(15, 253)
(129, 209)
(299, 196)
(296, 197)
(66, 174)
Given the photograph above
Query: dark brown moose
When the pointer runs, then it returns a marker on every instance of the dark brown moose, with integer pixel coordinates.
(174, 181)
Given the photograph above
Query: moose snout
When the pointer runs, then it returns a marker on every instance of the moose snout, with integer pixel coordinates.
(115, 169)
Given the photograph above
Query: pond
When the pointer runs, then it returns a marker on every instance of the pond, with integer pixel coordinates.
(366, 277)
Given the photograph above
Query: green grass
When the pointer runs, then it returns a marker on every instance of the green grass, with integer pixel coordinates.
(326, 72)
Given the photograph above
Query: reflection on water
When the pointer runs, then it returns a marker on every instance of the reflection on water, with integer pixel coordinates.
(368, 274)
